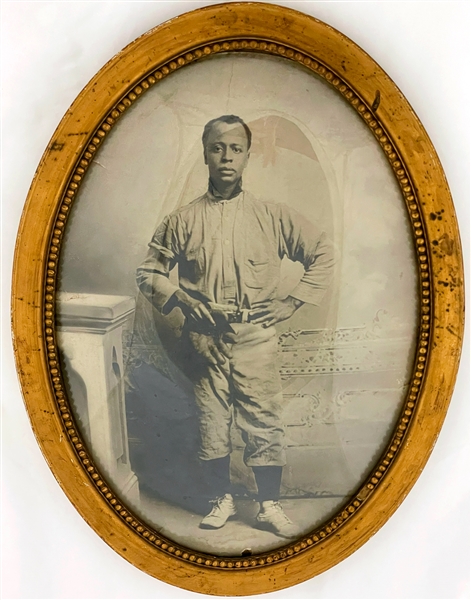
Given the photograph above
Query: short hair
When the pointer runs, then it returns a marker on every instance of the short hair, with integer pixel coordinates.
(230, 120)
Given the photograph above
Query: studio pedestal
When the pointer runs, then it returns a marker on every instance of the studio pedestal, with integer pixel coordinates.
(90, 332)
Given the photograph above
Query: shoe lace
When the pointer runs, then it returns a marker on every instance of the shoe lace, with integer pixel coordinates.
(217, 503)
(277, 507)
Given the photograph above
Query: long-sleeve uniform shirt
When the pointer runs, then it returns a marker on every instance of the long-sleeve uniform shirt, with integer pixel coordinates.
(230, 252)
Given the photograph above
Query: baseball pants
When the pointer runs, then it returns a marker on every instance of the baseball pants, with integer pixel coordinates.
(247, 388)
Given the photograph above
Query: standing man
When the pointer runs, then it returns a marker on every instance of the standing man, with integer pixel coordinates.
(229, 247)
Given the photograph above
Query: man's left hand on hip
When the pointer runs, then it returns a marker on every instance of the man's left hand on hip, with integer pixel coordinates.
(270, 312)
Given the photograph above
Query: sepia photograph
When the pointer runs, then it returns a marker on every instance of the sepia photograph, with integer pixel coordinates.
(234, 418)
(237, 304)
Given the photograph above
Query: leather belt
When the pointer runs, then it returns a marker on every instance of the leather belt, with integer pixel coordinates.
(233, 314)
(241, 316)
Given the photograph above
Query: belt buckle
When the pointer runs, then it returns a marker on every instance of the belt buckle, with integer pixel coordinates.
(238, 316)
(233, 317)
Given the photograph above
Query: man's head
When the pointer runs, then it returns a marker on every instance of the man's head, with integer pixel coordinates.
(226, 142)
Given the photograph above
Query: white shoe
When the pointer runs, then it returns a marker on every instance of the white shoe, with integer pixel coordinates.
(273, 518)
(223, 509)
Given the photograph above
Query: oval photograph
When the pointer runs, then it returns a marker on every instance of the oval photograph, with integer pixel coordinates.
(237, 306)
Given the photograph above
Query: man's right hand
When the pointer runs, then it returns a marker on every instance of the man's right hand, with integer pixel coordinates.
(214, 350)
(195, 310)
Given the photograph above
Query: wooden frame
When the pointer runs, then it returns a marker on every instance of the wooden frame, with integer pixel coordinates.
(435, 390)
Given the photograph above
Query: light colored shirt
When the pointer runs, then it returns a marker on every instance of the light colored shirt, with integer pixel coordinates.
(230, 252)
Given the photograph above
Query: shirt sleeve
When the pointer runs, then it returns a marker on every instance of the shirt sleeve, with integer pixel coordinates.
(302, 241)
(153, 274)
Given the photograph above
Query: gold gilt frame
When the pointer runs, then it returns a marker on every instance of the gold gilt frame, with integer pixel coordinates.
(269, 29)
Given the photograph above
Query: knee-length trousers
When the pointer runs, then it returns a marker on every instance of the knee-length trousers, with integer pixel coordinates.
(246, 388)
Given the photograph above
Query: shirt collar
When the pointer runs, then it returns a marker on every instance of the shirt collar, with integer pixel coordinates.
(217, 196)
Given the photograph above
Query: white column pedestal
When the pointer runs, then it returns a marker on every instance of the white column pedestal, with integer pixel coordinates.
(90, 330)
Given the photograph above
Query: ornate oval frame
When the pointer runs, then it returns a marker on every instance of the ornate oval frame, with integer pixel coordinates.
(263, 28)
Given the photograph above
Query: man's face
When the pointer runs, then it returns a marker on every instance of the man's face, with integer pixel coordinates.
(226, 152)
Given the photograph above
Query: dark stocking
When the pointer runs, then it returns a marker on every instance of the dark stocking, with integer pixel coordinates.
(268, 482)
(217, 475)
